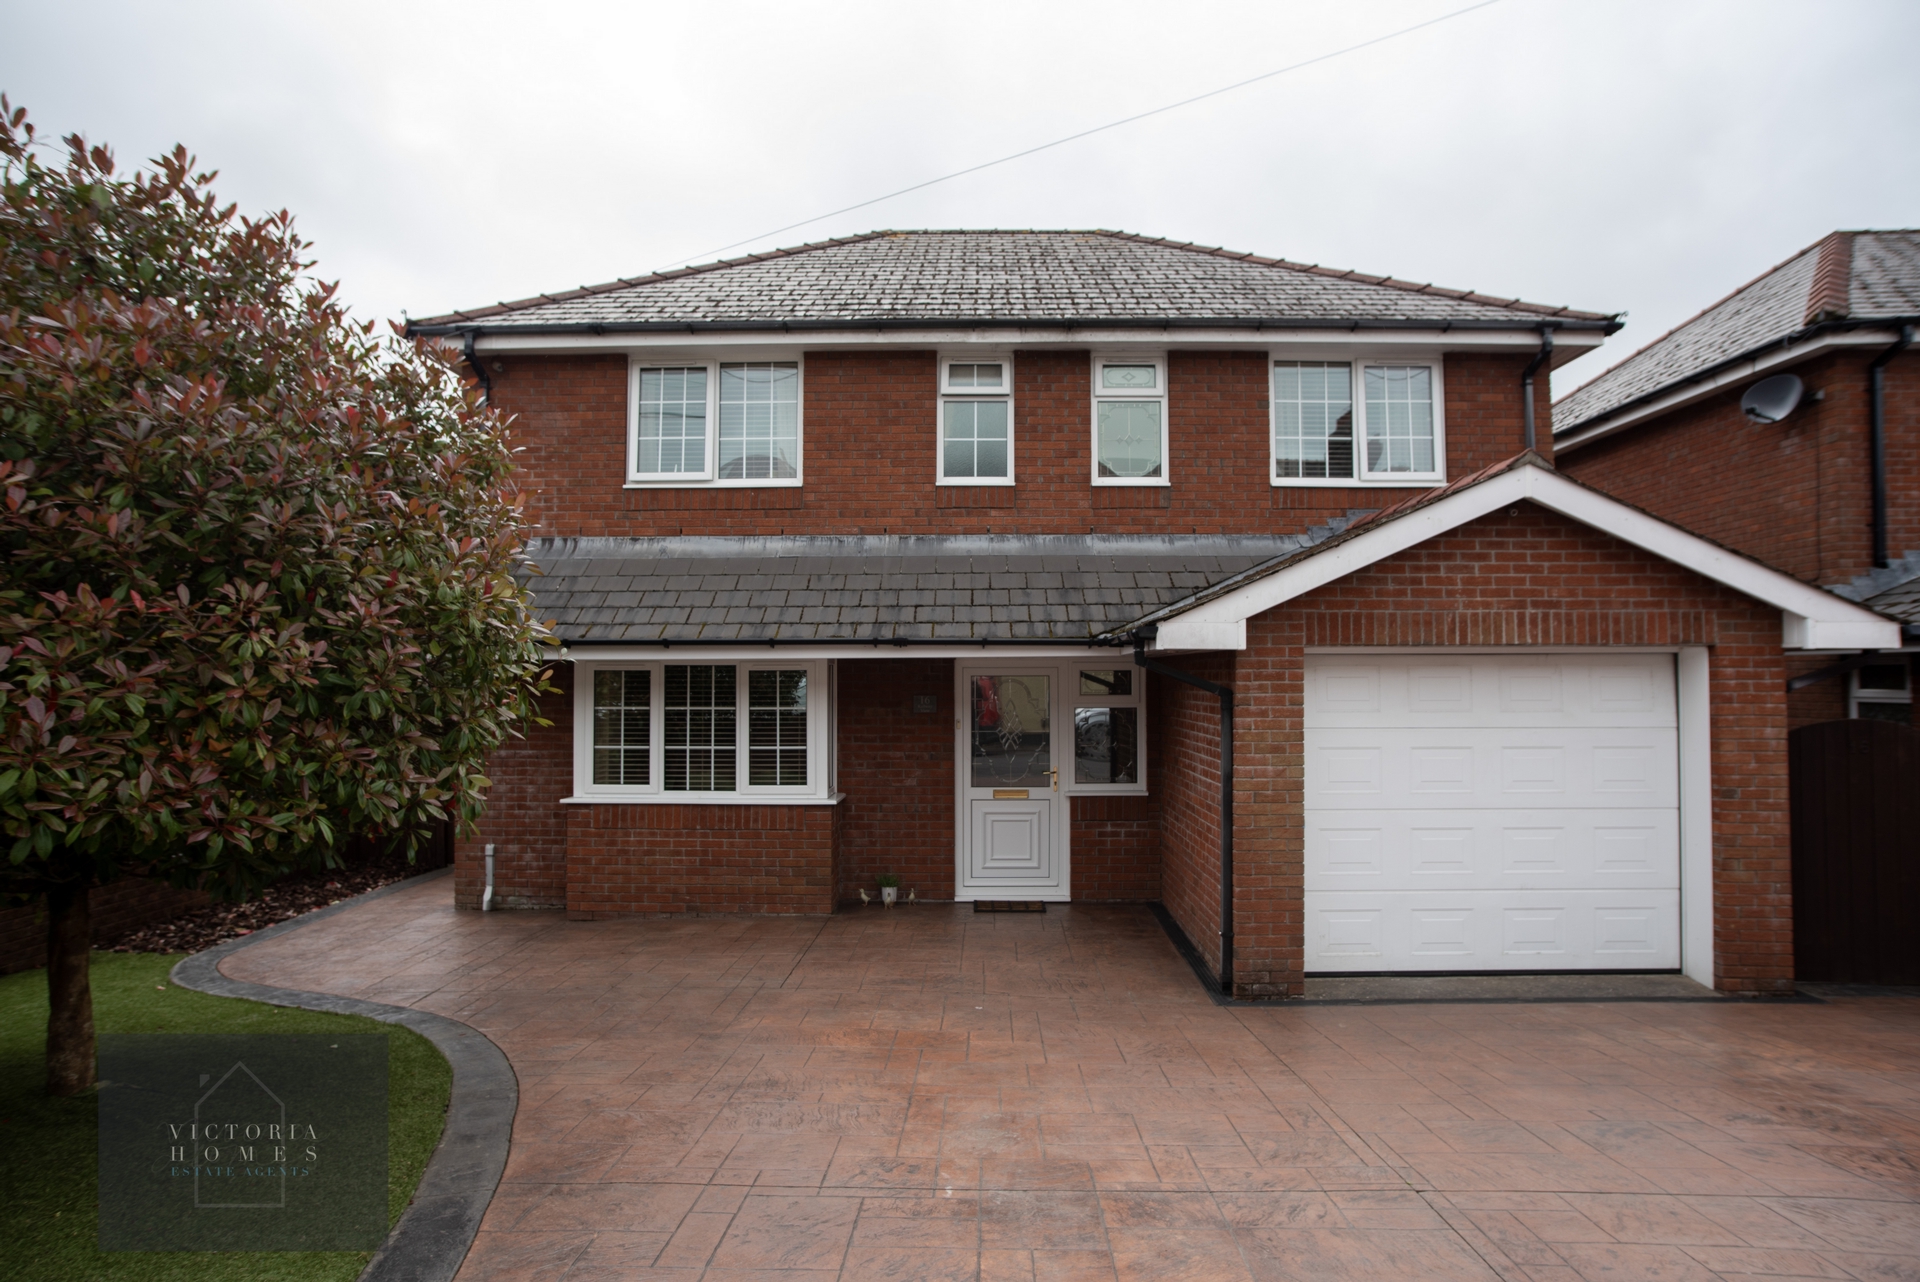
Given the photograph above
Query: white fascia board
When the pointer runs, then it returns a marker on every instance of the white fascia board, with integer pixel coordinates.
(1772, 360)
(746, 343)
(693, 652)
(1812, 618)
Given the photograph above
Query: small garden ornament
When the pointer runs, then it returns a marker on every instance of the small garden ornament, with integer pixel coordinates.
(889, 888)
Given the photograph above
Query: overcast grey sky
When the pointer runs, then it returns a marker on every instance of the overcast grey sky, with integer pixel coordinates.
(1636, 155)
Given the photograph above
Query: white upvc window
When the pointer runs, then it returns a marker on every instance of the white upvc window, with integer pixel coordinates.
(1357, 422)
(702, 731)
(1882, 692)
(1109, 729)
(714, 422)
(976, 420)
(1129, 419)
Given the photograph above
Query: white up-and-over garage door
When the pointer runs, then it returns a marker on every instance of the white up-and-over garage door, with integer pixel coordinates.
(1491, 812)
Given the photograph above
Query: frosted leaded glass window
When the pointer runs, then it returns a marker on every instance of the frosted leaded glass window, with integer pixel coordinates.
(1129, 422)
(1399, 412)
(760, 421)
(622, 727)
(1312, 419)
(671, 436)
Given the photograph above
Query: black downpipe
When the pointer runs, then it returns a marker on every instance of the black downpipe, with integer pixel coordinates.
(1526, 383)
(1141, 636)
(1877, 409)
(479, 370)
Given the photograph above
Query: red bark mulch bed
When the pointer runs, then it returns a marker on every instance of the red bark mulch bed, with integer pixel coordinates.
(201, 928)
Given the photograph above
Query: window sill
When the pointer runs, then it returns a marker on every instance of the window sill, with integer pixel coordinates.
(783, 483)
(704, 799)
(977, 481)
(1343, 483)
(1129, 481)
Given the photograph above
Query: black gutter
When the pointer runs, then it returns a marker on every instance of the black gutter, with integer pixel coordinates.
(1877, 412)
(479, 370)
(1141, 637)
(1719, 367)
(1000, 322)
(669, 643)
(1526, 380)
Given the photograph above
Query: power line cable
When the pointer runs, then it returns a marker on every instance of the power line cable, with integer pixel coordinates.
(1087, 133)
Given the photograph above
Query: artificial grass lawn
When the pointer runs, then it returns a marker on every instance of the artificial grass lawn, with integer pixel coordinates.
(48, 1214)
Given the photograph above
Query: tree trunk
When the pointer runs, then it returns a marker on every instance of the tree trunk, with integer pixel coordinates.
(69, 993)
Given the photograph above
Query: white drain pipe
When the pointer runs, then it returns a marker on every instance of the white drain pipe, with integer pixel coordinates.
(486, 896)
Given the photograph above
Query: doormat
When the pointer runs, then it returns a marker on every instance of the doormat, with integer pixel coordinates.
(1009, 905)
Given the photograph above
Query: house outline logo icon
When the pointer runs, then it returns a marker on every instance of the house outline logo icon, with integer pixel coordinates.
(280, 1170)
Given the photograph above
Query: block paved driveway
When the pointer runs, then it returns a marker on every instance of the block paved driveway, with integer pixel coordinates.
(930, 1093)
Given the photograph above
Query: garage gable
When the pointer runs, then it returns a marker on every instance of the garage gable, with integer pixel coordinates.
(1216, 619)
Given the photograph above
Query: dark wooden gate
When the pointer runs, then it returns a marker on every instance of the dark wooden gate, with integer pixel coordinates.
(1856, 852)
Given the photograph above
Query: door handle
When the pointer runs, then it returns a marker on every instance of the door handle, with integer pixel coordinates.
(1055, 774)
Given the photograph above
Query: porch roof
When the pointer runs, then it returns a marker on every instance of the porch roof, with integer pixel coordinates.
(865, 588)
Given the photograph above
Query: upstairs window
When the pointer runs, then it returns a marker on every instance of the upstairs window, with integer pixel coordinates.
(1390, 434)
(1129, 421)
(976, 422)
(723, 423)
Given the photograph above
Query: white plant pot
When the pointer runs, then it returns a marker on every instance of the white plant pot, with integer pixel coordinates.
(888, 894)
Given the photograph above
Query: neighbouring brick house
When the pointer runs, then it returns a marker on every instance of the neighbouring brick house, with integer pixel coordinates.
(905, 552)
(1665, 430)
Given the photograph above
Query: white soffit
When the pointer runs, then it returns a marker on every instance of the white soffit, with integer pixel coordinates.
(1811, 618)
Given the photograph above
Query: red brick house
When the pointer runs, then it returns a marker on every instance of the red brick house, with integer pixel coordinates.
(1083, 566)
(1830, 490)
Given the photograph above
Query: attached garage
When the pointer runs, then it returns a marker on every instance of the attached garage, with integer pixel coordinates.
(1491, 812)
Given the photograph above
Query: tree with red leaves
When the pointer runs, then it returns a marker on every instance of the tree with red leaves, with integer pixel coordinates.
(259, 583)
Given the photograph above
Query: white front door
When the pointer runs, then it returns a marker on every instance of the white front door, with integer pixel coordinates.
(1013, 821)
(1492, 812)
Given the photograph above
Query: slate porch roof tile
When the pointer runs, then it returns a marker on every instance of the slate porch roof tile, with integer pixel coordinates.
(690, 589)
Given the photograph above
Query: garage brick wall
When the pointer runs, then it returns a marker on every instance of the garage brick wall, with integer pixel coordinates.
(1528, 579)
(1189, 788)
(870, 431)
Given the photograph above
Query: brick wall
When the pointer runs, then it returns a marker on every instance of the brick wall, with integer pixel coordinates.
(660, 859)
(896, 769)
(1188, 783)
(116, 907)
(1530, 579)
(1794, 494)
(870, 432)
(524, 818)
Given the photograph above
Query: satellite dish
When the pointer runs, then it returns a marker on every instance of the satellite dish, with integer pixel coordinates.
(1772, 399)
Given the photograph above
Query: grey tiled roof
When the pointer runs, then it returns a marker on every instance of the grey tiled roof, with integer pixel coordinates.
(876, 587)
(1002, 276)
(1902, 602)
(1857, 276)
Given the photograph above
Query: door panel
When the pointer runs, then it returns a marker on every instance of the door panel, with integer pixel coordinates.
(1014, 833)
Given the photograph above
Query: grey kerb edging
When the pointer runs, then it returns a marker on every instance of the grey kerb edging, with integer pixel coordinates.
(437, 1228)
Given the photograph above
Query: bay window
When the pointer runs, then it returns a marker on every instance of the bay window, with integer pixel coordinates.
(702, 731)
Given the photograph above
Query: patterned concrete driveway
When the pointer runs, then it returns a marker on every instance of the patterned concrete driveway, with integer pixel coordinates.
(927, 1093)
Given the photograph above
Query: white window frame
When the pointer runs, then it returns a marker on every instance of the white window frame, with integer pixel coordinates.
(949, 393)
(1857, 696)
(710, 479)
(1159, 361)
(820, 757)
(1364, 479)
(1075, 701)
